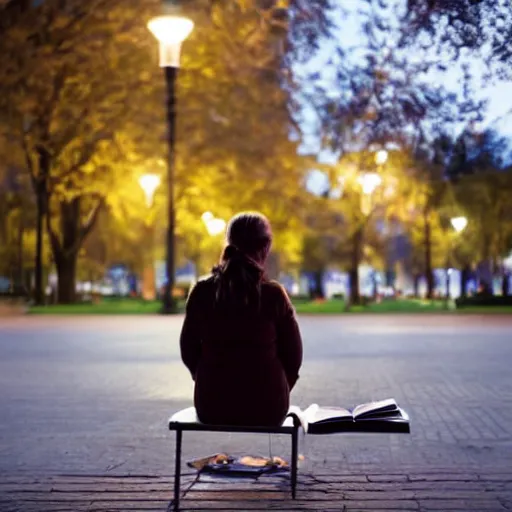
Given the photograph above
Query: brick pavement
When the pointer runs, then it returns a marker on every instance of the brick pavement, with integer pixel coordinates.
(430, 491)
(92, 397)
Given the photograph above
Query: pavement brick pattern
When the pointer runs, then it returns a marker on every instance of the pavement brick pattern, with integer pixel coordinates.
(490, 492)
(91, 397)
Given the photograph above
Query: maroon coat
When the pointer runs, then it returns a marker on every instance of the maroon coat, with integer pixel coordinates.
(244, 364)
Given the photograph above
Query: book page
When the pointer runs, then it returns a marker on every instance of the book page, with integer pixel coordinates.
(374, 408)
(316, 414)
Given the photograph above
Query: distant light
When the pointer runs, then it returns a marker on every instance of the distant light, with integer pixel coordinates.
(216, 227)
(207, 216)
(459, 223)
(381, 157)
(149, 183)
(369, 182)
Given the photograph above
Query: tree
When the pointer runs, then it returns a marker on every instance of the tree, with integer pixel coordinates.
(481, 183)
(483, 27)
(85, 101)
(475, 152)
(485, 199)
(17, 233)
(72, 84)
(384, 98)
(77, 111)
(367, 196)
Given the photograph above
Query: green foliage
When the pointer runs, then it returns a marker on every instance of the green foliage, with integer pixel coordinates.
(83, 97)
(483, 27)
(485, 199)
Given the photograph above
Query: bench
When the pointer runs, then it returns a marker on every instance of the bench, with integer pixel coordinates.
(186, 420)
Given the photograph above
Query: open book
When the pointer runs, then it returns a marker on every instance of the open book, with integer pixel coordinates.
(381, 416)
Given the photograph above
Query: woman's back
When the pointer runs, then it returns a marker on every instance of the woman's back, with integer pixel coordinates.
(240, 339)
(248, 359)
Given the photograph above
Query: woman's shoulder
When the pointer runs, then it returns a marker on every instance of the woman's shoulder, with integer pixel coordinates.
(201, 288)
(276, 297)
(276, 286)
(204, 283)
(275, 289)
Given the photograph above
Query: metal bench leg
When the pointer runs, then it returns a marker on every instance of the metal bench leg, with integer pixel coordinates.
(295, 439)
(177, 471)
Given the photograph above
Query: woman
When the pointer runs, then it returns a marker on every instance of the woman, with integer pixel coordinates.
(240, 339)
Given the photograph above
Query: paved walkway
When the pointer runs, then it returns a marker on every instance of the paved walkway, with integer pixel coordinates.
(92, 396)
(434, 491)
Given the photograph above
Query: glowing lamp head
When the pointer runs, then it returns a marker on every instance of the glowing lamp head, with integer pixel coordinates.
(206, 217)
(171, 29)
(149, 183)
(369, 182)
(381, 157)
(216, 227)
(459, 224)
(213, 225)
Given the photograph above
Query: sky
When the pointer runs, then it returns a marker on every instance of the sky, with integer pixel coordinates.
(348, 33)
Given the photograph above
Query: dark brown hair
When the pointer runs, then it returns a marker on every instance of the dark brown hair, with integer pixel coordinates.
(239, 275)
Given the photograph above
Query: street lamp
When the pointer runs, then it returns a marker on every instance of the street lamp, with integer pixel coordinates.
(369, 182)
(459, 224)
(171, 30)
(149, 183)
(213, 225)
(381, 157)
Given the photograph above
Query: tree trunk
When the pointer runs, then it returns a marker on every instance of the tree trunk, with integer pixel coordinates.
(429, 275)
(355, 295)
(319, 285)
(464, 275)
(20, 262)
(41, 192)
(417, 285)
(66, 247)
(66, 274)
(505, 284)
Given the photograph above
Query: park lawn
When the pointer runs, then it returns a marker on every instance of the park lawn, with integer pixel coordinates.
(105, 307)
(110, 306)
(337, 306)
(485, 310)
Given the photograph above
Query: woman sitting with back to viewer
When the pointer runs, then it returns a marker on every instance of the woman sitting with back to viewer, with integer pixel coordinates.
(240, 339)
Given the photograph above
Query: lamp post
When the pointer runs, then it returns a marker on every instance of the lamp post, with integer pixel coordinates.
(369, 182)
(171, 29)
(459, 224)
(149, 183)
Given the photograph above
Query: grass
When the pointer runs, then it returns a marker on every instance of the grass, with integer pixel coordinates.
(336, 306)
(110, 306)
(489, 310)
(105, 307)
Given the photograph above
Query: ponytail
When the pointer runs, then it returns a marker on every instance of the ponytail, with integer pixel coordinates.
(238, 280)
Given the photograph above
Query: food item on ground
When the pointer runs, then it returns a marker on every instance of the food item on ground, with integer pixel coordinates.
(255, 462)
(221, 458)
(278, 461)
